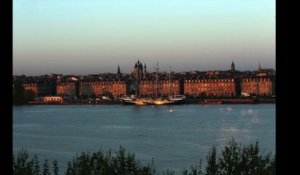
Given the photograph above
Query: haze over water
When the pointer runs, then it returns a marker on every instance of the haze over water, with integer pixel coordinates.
(175, 139)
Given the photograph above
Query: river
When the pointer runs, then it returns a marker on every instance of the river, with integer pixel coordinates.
(174, 139)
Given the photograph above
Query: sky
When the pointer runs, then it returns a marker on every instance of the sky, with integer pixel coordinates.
(95, 36)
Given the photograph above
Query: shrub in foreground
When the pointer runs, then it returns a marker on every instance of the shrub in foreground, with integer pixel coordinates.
(234, 159)
(107, 164)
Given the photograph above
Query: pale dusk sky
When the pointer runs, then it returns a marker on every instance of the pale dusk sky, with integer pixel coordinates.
(95, 36)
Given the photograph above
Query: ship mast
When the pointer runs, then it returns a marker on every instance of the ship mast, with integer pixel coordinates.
(170, 82)
(156, 80)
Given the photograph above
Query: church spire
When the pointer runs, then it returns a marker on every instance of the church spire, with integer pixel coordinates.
(259, 67)
(232, 67)
(145, 68)
(119, 71)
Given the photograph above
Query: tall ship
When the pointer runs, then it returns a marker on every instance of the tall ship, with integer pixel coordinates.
(155, 100)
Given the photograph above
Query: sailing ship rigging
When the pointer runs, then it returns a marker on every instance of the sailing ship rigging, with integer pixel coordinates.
(156, 100)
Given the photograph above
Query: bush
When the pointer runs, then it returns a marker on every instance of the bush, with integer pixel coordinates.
(237, 160)
(22, 165)
(100, 163)
(234, 159)
(22, 96)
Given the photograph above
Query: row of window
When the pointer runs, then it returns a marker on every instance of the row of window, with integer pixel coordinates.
(214, 80)
(255, 80)
(211, 85)
(87, 86)
(164, 86)
(100, 83)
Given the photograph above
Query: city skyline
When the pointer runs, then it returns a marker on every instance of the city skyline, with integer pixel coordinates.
(76, 37)
(152, 70)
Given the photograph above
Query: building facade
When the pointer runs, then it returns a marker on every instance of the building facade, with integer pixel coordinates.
(149, 88)
(97, 88)
(258, 85)
(39, 88)
(67, 89)
(31, 87)
(45, 88)
(210, 87)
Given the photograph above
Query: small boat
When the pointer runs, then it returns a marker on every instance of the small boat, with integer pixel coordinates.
(160, 102)
(139, 102)
(133, 101)
(127, 101)
(212, 101)
(177, 99)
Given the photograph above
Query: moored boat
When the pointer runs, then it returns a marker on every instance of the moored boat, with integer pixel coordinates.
(212, 101)
(161, 102)
(177, 99)
(139, 102)
(127, 101)
(134, 101)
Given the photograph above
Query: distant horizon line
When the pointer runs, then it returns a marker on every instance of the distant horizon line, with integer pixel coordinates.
(130, 72)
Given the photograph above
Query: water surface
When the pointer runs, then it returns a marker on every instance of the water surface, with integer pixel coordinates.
(175, 139)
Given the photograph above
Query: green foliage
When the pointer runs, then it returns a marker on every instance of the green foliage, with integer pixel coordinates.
(246, 160)
(46, 168)
(21, 164)
(55, 167)
(100, 163)
(234, 159)
(212, 164)
(20, 95)
(36, 168)
(29, 96)
(194, 170)
(230, 158)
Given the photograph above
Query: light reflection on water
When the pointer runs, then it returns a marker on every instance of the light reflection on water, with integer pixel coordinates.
(174, 139)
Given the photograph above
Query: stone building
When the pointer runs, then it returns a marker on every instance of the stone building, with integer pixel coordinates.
(258, 85)
(97, 88)
(211, 87)
(42, 88)
(69, 89)
(148, 88)
(139, 70)
(31, 87)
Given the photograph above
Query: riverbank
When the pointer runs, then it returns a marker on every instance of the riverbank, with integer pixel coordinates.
(186, 101)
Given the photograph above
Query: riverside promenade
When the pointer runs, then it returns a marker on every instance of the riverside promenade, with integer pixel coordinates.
(203, 101)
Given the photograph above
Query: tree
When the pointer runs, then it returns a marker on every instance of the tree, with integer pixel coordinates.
(230, 158)
(246, 160)
(21, 164)
(234, 159)
(29, 95)
(70, 170)
(46, 168)
(194, 170)
(36, 169)
(55, 167)
(18, 94)
(212, 164)
(121, 163)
